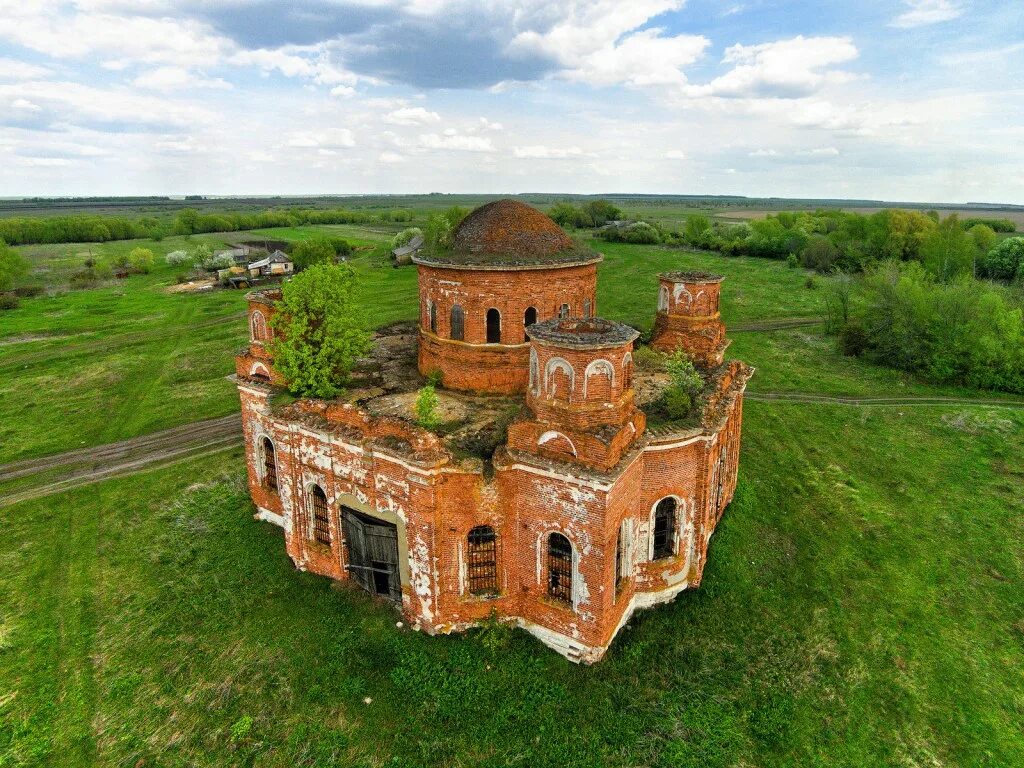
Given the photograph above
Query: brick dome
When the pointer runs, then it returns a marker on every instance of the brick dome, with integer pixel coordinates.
(508, 234)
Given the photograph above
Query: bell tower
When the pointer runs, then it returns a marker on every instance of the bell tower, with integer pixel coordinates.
(688, 317)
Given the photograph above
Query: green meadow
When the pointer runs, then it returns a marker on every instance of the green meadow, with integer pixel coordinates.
(862, 604)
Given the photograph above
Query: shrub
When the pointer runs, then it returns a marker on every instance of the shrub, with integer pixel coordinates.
(178, 258)
(441, 228)
(426, 407)
(853, 339)
(792, 261)
(141, 260)
(28, 291)
(1004, 262)
(12, 266)
(648, 359)
(199, 253)
(342, 247)
(819, 254)
(677, 403)
(811, 282)
(9, 301)
(403, 237)
(213, 262)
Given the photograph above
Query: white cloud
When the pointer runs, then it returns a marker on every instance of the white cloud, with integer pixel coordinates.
(391, 157)
(456, 142)
(411, 116)
(675, 154)
(784, 68)
(541, 152)
(594, 45)
(764, 153)
(819, 152)
(12, 69)
(925, 12)
(332, 138)
(175, 79)
(343, 91)
(487, 125)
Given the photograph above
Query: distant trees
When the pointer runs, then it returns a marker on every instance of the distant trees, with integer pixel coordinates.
(320, 330)
(595, 213)
(441, 226)
(964, 331)
(947, 251)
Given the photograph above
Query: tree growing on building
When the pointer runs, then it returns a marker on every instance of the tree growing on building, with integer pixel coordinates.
(319, 330)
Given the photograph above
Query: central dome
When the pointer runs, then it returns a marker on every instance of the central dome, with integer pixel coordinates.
(509, 228)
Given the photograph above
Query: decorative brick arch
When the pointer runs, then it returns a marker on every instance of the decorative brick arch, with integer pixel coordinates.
(554, 365)
(663, 299)
(600, 367)
(678, 517)
(259, 371)
(258, 328)
(627, 371)
(544, 564)
(534, 372)
(553, 436)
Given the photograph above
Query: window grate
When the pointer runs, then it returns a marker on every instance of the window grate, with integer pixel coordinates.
(483, 561)
(458, 323)
(269, 465)
(559, 568)
(321, 517)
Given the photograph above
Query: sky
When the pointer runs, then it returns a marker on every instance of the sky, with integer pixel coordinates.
(904, 100)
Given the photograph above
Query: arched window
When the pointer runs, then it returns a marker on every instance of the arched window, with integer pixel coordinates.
(627, 371)
(563, 312)
(588, 308)
(321, 516)
(598, 379)
(529, 318)
(663, 299)
(534, 372)
(433, 317)
(493, 326)
(559, 378)
(259, 372)
(458, 323)
(269, 464)
(559, 568)
(483, 560)
(258, 326)
(665, 528)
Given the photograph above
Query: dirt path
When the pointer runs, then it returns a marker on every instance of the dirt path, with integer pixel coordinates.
(64, 471)
(816, 399)
(779, 324)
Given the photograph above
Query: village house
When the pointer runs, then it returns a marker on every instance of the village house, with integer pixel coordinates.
(277, 264)
(579, 516)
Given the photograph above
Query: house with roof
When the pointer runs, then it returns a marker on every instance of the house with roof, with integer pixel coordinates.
(404, 254)
(277, 264)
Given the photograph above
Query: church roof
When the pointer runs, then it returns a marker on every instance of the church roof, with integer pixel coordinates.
(508, 234)
(582, 332)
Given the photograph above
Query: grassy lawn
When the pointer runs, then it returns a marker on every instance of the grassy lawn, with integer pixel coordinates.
(861, 605)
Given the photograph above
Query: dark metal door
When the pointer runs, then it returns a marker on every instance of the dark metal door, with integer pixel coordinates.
(372, 549)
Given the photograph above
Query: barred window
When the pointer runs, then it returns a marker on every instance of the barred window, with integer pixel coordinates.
(269, 465)
(321, 517)
(483, 561)
(433, 317)
(587, 308)
(563, 311)
(458, 323)
(559, 568)
(664, 528)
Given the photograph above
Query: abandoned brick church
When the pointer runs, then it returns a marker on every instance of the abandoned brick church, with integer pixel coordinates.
(576, 515)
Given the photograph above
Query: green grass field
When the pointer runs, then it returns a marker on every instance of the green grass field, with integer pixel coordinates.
(862, 603)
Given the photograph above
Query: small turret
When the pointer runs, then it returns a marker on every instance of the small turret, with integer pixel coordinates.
(688, 317)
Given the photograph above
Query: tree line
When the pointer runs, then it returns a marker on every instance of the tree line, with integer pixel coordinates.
(84, 228)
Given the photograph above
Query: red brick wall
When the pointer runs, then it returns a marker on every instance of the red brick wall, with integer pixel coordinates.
(474, 365)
